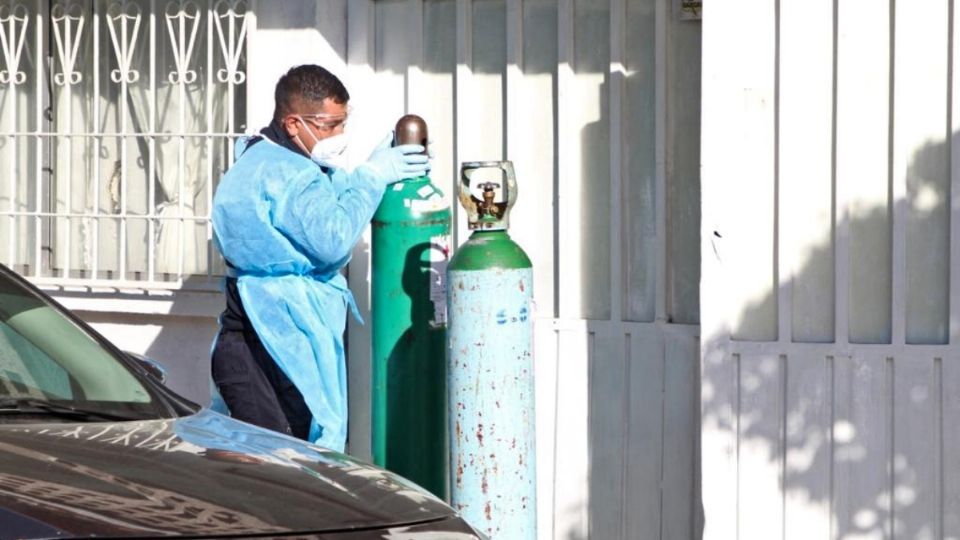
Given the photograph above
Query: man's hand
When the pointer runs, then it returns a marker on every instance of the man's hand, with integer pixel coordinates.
(392, 164)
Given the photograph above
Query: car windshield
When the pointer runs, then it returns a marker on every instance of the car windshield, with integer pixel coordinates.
(51, 366)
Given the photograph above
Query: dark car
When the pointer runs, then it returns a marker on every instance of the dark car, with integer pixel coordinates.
(92, 444)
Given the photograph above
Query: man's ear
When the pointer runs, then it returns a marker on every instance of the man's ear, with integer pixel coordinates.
(291, 126)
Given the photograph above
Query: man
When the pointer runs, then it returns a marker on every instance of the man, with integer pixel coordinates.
(286, 218)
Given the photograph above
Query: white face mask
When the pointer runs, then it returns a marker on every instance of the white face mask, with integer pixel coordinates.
(331, 151)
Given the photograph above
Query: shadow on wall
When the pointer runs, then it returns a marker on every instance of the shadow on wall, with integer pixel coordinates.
(840, 455)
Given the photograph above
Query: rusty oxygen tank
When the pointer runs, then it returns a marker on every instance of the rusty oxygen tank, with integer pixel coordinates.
(490, 362)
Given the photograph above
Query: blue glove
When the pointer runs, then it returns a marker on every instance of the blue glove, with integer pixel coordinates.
(392, 164)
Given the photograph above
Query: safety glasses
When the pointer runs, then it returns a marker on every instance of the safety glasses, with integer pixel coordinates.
(325, 122)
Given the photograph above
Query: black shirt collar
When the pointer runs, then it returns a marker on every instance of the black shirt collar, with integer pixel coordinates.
(278, 135)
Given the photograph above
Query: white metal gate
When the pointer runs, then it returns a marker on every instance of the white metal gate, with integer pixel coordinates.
(597, 104)
(830, 313)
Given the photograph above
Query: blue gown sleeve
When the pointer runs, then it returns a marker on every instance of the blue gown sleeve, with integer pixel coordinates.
(325, 216)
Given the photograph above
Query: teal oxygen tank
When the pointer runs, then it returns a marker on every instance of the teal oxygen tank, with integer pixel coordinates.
(490, 365)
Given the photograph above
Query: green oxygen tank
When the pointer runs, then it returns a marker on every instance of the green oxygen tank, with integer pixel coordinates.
(411, 244)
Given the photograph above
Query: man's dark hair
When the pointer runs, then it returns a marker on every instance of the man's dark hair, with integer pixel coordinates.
(308, 82)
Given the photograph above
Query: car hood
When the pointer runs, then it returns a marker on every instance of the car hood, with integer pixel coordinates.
(201, 475)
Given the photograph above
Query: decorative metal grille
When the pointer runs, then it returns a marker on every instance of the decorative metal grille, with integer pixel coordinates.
(117, 117)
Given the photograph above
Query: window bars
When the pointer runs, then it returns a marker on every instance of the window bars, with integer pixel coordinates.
(116, 120)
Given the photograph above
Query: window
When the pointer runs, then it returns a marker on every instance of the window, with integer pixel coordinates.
(116, 120)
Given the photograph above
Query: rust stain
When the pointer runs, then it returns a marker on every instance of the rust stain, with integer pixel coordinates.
(459, 432)
(480, 434)
(483, 483)
(459, 471)
(487, 511)
(522, 288)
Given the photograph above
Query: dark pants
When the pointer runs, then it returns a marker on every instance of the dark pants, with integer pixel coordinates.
(254, 388)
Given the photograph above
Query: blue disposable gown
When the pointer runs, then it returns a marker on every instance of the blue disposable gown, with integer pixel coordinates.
(288, 228)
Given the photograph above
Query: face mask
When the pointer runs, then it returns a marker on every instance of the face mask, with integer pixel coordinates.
(329, 152)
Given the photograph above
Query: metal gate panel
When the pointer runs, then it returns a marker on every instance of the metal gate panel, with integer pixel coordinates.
(921, 181)
(615, 455)
(805, 209)
(824, 443)
(806, 428)
(950, 457)
(829, 276)
(864, 230)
